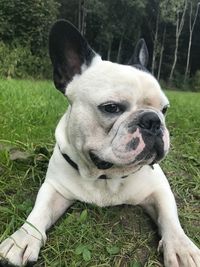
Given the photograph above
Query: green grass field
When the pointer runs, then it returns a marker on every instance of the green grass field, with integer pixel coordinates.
(122, 236)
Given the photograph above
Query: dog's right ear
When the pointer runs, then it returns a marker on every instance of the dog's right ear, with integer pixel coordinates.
(68, 51)
(140, 56)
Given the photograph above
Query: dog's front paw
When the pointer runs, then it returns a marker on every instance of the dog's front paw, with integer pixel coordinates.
(179, 251)
(21, 248)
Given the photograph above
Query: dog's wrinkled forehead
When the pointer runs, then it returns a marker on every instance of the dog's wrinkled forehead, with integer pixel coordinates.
(106, 81)
(79, 72)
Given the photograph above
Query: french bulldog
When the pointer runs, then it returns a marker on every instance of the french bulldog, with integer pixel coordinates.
(108, 146)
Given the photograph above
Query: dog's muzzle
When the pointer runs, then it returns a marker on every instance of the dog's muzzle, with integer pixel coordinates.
(137, 142)
(141, 139)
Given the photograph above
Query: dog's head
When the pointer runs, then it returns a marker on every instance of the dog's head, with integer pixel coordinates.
(116, 114)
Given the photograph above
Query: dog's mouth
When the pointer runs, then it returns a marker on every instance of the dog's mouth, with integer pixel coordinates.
(153, 152)
(105, 165)
(99, 163)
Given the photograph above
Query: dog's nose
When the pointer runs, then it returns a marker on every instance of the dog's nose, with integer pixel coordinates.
(151, 122)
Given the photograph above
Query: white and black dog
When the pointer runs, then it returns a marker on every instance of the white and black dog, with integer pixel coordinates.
(108, 144)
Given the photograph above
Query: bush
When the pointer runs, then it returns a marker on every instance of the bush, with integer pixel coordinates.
(17, 61)
(178, 82)
(195, 82)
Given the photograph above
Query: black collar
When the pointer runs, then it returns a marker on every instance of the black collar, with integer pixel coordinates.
(75, 166)
(69, 160)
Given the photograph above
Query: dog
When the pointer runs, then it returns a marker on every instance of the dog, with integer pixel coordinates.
(108, 146)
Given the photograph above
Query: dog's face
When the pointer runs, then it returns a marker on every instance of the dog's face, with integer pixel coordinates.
(117, 111)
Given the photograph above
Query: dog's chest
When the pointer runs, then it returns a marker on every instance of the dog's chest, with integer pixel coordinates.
(102, 192)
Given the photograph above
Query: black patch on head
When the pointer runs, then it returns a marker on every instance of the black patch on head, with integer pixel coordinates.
(68, 51)
(140, 67)
(133, 144)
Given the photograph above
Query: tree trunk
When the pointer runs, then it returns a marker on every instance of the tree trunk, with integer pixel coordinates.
(191, 27)
(175, 60)
(161, 54)
(179, 27)
(83, 29)
(175, 53)
(81, 16)
(188, 58)
(155, 44)
(109, 49)
(119, 49)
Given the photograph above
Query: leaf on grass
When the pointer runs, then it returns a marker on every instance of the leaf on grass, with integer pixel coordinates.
(84, 251)
(86, 254)
(83, 216)
(113, 250)
(79, 250)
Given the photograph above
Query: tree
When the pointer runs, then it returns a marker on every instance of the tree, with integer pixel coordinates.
(153, 22)
(158, 28)
(161, 52)
(27, 22)
(179, 17)
(116, 22)
(191, 30)
(129, 19)
(82, 13)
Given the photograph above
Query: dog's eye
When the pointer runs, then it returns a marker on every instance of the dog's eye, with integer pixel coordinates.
(113, 108)
(164, 110)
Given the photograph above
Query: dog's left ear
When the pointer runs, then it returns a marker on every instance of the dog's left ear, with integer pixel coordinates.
(69, 51)
(140, 56)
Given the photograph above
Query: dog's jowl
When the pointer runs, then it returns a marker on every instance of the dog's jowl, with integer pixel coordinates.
(108, 146)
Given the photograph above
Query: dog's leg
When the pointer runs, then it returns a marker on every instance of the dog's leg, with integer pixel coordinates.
(178, 249)
(24, 245)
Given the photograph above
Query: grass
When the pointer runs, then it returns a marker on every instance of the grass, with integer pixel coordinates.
(122, 236)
